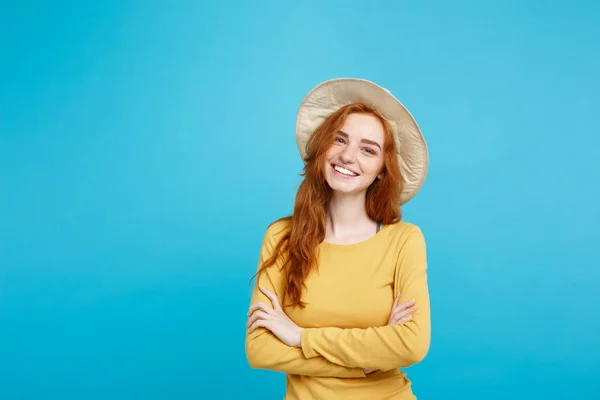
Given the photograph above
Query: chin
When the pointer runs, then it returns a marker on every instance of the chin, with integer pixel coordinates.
(340, 188)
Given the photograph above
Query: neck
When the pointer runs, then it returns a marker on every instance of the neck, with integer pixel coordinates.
(346, 214)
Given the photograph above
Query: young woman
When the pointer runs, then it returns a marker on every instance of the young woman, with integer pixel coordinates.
(341, 301)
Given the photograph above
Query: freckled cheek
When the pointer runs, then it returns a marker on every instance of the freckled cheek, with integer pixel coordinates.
(371, 168)
(333, 152)
(328, 155)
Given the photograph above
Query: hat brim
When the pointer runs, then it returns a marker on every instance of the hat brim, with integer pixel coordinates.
(329, 96)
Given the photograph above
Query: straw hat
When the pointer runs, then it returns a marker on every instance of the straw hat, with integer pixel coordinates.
(330, 95)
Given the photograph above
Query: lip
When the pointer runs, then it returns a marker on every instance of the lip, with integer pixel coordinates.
(343, 175)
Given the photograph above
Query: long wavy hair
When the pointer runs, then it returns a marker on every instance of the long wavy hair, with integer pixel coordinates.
(298, 246)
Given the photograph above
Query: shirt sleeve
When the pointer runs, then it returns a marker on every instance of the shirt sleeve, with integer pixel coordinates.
(265, 351)
(386, 347)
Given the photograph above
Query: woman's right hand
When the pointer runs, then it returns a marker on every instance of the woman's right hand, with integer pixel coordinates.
(401, 313)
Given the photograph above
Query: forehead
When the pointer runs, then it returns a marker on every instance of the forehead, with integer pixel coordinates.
(364, 126)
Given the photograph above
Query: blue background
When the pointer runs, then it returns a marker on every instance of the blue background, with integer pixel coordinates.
(145, 147)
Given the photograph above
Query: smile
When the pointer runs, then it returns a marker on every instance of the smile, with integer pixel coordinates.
(344, 171)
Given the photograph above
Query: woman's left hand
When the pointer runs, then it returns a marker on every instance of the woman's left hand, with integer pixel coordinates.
(274, 319)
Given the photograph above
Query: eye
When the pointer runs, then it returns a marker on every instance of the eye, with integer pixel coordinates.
(368, 150)
(340, 139)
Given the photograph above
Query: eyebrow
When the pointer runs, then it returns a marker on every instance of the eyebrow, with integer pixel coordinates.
(344, 134)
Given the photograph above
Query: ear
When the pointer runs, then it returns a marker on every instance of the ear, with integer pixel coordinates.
(381, 175)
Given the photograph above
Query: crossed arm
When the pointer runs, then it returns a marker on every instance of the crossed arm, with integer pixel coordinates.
(345, 353)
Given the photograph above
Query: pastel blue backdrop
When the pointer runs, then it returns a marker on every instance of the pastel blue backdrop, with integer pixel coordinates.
(145, 146)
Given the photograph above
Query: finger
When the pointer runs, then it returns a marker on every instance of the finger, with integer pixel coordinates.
(394, 319)
(397, 318)
(403, 320)
(396, 301)
(403, 309)
(272, 296)
(259, 306)
(254, 307)
(260, 323)
(251, 320)
(408, 303)
(256, 316)
(401, 313)
(405, 305)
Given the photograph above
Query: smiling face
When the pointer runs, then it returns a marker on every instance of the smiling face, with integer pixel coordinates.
(355, 159)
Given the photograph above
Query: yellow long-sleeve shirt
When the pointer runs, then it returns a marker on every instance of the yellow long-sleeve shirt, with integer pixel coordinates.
(349, 299)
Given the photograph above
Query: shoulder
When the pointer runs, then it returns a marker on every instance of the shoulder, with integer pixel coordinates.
(277, 229)
(405, 229)
(405, 233)
(273, 235)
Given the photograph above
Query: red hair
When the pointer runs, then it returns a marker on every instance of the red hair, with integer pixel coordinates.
(306, 229)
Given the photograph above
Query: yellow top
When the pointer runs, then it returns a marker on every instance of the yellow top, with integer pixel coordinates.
(348, 303)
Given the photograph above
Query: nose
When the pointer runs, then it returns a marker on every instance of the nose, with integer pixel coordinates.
(348, 155)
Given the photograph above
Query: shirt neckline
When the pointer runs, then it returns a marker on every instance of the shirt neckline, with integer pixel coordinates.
(351, 246)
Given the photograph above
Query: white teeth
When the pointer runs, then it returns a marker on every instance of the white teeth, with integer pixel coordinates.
(344, 171)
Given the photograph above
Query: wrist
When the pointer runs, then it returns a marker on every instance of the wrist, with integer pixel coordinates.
(299, 337)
